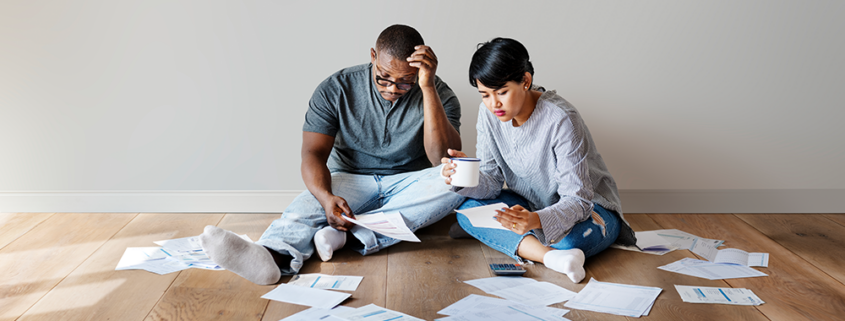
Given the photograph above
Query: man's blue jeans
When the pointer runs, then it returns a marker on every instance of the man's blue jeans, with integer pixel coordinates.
(422, 197)
(591, 236)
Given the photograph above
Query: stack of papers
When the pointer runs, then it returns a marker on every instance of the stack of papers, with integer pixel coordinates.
(477, 307)
(621, 299)
(173, 255)
(523, 290)
(390, 225)
(710, 270)
(703, 294)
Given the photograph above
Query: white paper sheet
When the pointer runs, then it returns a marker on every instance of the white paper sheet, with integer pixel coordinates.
(306, 296)
(151, 259)
(710, 270)
(650, 240)
(703, 294)
(730, 256)
(504, 313)
(484, 216)
(536, 294)
(373, 312)
(614, 298)
(390, 225)
(319, 314)
(683, 240)
(473, 302)
(497, 283)
(327, 282)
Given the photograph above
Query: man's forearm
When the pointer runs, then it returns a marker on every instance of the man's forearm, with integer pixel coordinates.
(317, 178)
(438, 133)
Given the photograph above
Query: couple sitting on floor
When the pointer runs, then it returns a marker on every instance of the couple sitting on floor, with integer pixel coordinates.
(373, 133)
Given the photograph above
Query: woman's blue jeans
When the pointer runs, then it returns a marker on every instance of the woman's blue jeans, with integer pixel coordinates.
(591, 236)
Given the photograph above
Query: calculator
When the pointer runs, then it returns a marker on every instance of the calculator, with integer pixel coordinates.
(507, 269)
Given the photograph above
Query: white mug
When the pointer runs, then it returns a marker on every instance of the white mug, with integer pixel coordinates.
(466, 171)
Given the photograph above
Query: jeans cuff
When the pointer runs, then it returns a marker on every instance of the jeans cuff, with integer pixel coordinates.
(368, 238)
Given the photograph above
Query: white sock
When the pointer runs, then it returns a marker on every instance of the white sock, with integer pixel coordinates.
(249, 260)
(569, 262)
(328, 240)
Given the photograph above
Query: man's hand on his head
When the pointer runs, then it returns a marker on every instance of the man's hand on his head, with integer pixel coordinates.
(424, 59)
(335, 208)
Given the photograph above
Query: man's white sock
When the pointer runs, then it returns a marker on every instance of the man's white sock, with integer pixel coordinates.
(249, 260)
(328, 240)
(569, 262)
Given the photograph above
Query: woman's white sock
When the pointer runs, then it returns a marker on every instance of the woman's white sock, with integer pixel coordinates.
(569, 262)
(328, 240)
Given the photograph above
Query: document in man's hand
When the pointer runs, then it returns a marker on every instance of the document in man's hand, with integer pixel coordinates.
(390, 225)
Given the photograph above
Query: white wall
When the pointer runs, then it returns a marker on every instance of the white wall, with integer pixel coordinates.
(169, 97)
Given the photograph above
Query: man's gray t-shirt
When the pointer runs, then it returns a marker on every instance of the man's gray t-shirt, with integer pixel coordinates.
(373, 135)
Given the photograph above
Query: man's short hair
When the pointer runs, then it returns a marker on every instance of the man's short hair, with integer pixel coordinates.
(398, 41)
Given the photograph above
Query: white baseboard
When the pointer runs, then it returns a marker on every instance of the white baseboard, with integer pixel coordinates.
(146, 201)
(633, 201)
(734, 201)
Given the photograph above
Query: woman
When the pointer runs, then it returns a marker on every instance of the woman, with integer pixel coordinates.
(564, 205)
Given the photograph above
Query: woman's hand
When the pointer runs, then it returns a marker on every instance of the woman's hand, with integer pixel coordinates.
(448, 167)
(518, 219)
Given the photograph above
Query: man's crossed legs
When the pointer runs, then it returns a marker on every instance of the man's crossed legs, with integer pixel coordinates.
(421, 197)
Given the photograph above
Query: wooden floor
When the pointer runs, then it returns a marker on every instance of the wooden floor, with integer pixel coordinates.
(61, 267)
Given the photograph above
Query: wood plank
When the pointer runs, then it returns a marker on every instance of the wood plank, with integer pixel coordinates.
(95, 291)
(13, 225)
(794, 289)
(217, 295)
(425, 277)
(35, 262)
(838, 218)
(814, 238)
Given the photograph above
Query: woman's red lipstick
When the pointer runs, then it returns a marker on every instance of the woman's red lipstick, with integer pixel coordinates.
(499, 112)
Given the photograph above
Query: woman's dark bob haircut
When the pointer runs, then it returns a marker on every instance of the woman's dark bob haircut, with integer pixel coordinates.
(498, 61)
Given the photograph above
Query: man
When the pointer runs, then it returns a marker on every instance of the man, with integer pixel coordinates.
(371, 136)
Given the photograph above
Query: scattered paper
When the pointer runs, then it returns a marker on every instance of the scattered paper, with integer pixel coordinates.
(318, 314)
(730, 256)
(536, 294)
(306, 296)
(327, 282)
(620, 299)
(484, 216)
(390, 225)
(497, 283)
(703, 294)
(507, 311)
(710, 270)
(683, 240)
(660, 242)
(373, 312)
(151, 259)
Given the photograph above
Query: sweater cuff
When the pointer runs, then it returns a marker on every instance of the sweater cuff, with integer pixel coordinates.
(553, 229)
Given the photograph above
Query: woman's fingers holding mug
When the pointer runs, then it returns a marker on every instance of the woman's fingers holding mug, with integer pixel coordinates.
(456, 153)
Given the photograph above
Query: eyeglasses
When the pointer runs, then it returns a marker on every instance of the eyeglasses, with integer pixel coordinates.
(399, 85)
